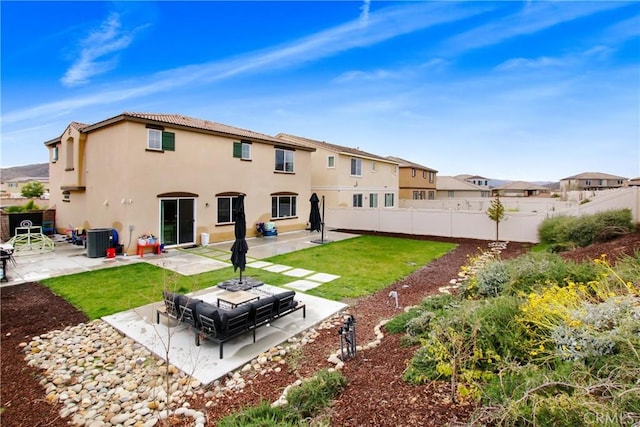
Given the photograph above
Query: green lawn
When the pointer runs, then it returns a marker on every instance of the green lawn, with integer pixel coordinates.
(365, 265)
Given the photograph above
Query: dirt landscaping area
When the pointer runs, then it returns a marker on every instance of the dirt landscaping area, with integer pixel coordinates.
(375, 396)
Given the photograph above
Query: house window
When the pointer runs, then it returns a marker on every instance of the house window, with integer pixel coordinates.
(225, 209)
(395, 169)
(158, 140)
(373, 166)
(331, 161)
(432, 177)
(413, 172)
(450, 193)
(242, 150)
(587, 182)
(388, 200)
(55, 154)
(284, 160)
(432, 195)
(283, 206)
(373, 200)
(424, 174)
(154, 139)
(357, 200)
(419, 195)
(13, 185)
(356, 167)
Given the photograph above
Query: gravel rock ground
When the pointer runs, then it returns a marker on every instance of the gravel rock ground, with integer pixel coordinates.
(375, 396)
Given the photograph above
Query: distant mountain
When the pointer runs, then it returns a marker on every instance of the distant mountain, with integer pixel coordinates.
(35, 170)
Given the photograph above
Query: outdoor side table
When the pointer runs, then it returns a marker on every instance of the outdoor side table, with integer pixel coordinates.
(237, 298)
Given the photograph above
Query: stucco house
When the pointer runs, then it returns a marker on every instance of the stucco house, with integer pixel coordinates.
(416, 182)
(591, 181)
(521, 189)
(12, 188)
(478, 180)
(449, 187)
(349, 177)
(175, 177)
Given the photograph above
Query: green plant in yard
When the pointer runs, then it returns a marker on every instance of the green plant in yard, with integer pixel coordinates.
(564, 232)
(496, 213)
(262, 415)
(315, 394)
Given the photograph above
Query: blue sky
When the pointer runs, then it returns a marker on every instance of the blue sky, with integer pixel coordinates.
(533, 91)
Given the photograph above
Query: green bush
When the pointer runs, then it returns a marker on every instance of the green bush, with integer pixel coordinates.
(534, 270)
(492, 279)
(312, 396)
(435, 304)
(262, 415)
(564, 231)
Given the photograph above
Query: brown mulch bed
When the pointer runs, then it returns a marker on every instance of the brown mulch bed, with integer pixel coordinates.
(375, 395)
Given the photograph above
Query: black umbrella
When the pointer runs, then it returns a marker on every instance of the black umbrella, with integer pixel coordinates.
(314, 216)
(240, 248)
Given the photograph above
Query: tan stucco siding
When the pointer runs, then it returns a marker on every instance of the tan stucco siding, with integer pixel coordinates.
(124, 179)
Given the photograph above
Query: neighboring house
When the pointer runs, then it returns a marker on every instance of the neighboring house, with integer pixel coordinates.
(634, 182)
(175, 177)
(417, 182)
(349, 177)
(480, 181)
(520, 189)
(449, 187)
(12, 188)
(592, 181)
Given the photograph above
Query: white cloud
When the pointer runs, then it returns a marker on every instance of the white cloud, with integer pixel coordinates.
(94, 56)
(364, 12)
(383, 25)
(520, 63)
(533, 18)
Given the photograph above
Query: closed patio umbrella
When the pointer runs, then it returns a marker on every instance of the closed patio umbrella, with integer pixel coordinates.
(314, 216)
(240, 248)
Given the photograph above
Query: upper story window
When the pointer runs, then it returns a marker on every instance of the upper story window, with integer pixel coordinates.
(373, 165)
(242, 150)
(356, 167)
(395, 169)
(413, 172)
(284, 160)
(159, 140)
(432, 177)
(331, 161)
(154, 139)
(55, 154)
(284, 206)
(424, 174)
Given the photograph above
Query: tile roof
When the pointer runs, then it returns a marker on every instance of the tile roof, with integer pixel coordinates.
(593, 175)
(452, 183)
(407, 164)
(181, 121)
(334, 147)
(521, 185)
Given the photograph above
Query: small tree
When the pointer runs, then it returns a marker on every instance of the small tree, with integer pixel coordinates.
(33, 189)
(496, 212)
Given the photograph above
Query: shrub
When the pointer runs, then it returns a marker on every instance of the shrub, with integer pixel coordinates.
(582, 231)
(492, 278)
(312, 396)
(262, 415)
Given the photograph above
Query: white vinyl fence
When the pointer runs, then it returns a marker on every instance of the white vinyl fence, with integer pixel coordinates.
(518, 225)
